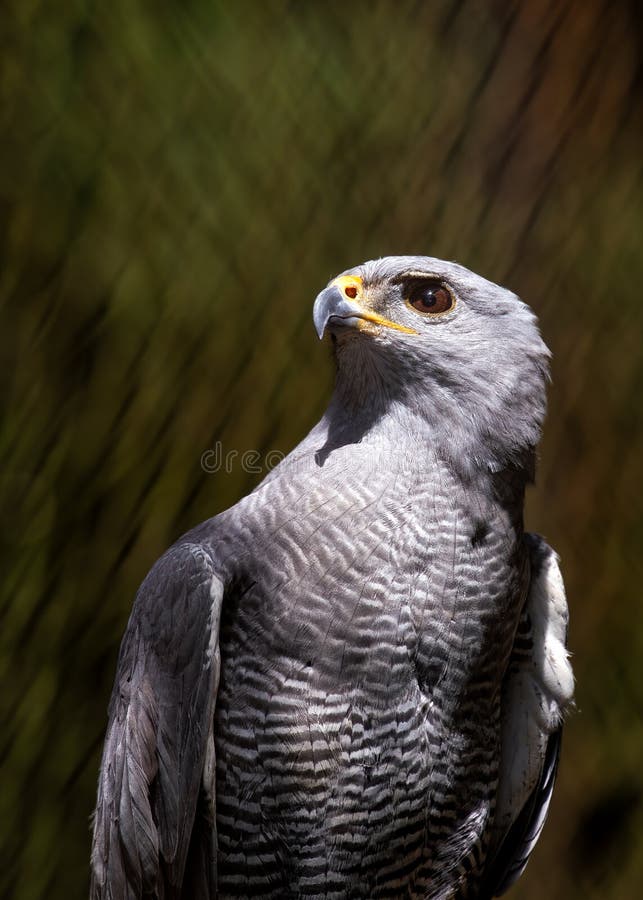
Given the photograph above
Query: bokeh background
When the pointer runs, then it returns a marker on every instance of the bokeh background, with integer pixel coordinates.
(177, 181)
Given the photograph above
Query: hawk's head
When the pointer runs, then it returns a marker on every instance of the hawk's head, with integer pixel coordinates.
(438, 343)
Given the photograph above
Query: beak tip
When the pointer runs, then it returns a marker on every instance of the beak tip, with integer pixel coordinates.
(320, 327)
(325, 306)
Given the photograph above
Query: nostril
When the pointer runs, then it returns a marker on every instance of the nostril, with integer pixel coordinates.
(350, 291)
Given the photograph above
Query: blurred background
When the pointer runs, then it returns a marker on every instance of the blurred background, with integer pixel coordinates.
(177, 181)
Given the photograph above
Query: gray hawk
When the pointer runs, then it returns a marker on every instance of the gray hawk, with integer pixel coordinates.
(352, 683)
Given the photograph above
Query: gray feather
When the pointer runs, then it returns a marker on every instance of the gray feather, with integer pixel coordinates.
(382, 640)
(159, 719)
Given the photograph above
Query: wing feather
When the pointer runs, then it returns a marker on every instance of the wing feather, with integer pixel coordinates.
(537, 691)
(160, 722)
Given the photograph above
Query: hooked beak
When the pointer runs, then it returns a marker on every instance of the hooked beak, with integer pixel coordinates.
(334, 307)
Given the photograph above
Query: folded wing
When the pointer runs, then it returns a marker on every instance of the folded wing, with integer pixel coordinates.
(156, 785)
(537, 691)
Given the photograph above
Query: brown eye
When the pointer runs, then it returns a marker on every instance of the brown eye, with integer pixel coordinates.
(430, 297)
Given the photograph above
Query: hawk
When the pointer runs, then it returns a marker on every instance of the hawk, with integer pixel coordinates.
(352, 683)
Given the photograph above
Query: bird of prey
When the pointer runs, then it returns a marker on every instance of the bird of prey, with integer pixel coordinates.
(352, 683)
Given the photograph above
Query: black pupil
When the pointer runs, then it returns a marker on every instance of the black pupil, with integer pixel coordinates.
(428, 298)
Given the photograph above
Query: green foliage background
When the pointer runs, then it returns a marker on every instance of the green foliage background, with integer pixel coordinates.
(177, 181)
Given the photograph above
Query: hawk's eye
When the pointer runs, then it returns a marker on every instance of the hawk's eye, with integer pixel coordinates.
(430, 297)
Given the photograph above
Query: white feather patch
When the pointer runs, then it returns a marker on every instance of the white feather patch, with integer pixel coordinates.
(537, 692)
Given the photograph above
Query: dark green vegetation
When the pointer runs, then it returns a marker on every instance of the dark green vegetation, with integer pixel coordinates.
(177, 181)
